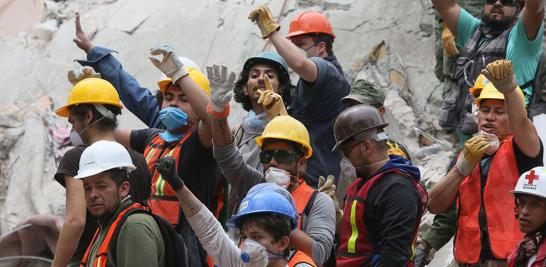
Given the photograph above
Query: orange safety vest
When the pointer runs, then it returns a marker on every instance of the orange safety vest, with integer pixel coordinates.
(302, 195)
(502, 228)
(300, 257)
(163, 201)
(101, 258)
(355, 247)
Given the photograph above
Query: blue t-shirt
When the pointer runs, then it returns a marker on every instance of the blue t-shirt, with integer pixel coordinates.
(524, 53)
(317, 105)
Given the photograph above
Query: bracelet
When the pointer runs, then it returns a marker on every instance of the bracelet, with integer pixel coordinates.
(218, 115)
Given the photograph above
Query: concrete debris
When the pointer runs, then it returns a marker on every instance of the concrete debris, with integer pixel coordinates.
(392, 45)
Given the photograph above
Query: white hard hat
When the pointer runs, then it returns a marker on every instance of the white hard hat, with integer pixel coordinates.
(102, 156)
(532, 182)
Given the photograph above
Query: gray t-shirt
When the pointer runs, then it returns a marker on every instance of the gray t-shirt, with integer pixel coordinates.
(320, 225)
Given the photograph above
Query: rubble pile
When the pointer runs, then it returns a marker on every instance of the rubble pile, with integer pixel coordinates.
(390, 43)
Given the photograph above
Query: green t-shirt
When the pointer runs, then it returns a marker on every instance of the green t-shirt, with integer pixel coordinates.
(524, 53)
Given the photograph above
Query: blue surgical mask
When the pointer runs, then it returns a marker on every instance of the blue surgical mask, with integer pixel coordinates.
(255, 123)
(173, 118)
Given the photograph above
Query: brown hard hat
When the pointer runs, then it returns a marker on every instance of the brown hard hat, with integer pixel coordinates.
(355, 120)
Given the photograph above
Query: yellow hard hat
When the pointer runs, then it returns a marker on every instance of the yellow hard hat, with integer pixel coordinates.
(91, 91)
(480, 83)
(490, 92)
(286, 128)
(197, 76)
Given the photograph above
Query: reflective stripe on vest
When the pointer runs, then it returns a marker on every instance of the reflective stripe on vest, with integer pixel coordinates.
(163, 201)
(101, 258)
(355, 248)
(502, 228)
(299, 257)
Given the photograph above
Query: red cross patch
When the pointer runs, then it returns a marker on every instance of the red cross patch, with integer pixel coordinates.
(531, 177)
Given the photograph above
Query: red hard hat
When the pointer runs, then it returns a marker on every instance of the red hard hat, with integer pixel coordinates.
(310, 22)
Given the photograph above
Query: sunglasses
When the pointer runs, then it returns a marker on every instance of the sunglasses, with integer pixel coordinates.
(281, 156)
(503, 2)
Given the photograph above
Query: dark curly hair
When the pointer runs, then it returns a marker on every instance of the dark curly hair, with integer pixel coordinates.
(285, 87)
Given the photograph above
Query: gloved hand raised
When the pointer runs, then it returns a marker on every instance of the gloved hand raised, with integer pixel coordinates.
(78, 74)
(472, 153)
(221, 86)
(262, 16)
(271, 101)
(167, 168)
(448, 42)
(501, 74)
(170, 65)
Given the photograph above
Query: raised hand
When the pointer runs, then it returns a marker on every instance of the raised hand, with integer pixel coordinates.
(170, 64)
(221, 86)
(81, 39)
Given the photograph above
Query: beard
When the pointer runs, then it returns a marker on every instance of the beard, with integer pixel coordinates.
(504, 23)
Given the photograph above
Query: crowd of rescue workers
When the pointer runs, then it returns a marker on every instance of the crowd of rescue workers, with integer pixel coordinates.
(310, 177)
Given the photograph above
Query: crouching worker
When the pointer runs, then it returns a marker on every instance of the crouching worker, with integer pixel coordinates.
(121, 240)
(265, 219)
(530, 194)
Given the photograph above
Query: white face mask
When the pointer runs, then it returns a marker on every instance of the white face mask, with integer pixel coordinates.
(277, 176)
(254, 254)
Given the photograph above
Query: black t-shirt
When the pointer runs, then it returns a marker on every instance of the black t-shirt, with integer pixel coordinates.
(197, 166)
(140, 180)
(392, 211)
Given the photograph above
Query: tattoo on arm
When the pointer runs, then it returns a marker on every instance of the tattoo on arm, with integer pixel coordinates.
(224, 130)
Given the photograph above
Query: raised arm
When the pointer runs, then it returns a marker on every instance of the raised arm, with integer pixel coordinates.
(532, 15)
(137, 99)
(303, 66)
(171, 66)
(449, 10)
(501, 74)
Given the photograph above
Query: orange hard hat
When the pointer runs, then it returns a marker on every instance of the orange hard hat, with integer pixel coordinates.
(310, 22)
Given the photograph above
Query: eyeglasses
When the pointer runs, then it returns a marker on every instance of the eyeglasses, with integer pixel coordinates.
(281, 156)
(503, 2)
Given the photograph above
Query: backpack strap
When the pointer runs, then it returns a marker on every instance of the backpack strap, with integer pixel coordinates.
(310, 203)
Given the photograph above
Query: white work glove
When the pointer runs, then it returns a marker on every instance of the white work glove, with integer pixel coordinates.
(501, 74)
(78, 74)
(472, 153)
(170, 65)
(221, 86)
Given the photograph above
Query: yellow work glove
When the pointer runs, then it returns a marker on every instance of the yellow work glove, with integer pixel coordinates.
(448, 42)
(76, 75)
(262, 16)
(271, 101)
(500, 73)
(328, 187)
(472, 153)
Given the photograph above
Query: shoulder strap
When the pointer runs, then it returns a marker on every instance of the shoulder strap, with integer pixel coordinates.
(310, 203)
(113, 245)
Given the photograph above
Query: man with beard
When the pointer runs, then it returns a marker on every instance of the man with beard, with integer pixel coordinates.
(308, 51)
(508, 30)
(383, 207)
(487, 170)
(284, 150)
